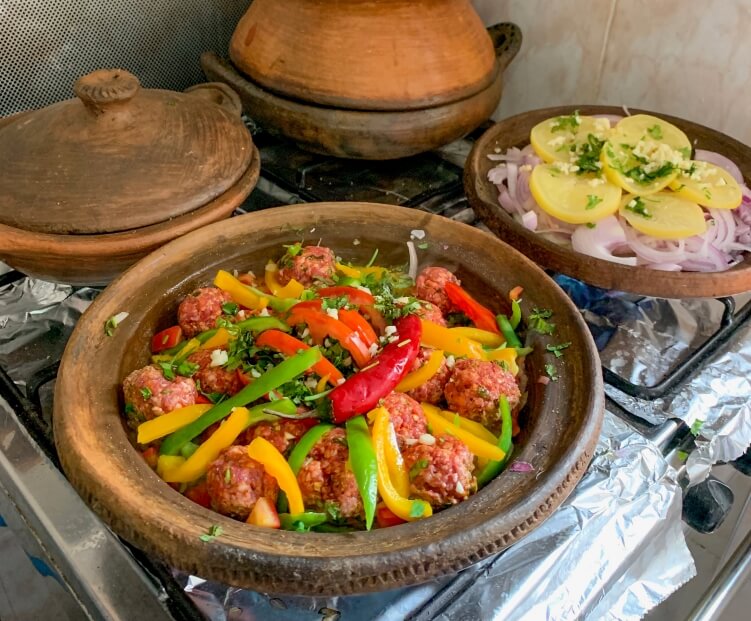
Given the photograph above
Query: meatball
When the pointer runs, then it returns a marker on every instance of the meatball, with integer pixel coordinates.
(235, 481)
(199, 311)
(406, 416)
(430, 312)
(214, 379)
(440, 473)
(283, 434)
(149, 394)
(474, 388)
(432, 390)
(326, 482)
(313, 263)
(431, 287)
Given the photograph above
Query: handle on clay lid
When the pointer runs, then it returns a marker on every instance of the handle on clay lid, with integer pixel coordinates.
(218, 93)
(105, 88)
(507, 41)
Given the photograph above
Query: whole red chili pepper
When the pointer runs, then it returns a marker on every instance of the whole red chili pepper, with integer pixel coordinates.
(362, 392)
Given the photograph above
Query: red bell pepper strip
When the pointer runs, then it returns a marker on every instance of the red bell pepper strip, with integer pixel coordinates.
(166, 339)
(375, 317)
(289, 346)
(385, 517)
(321, 323)
(355, 296)
(480, 315)
(362, 392)
(355, 321)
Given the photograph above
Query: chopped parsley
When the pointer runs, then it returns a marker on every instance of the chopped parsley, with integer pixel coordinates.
(423, 245)
(417, 509)
(187, 369)
(591, 225)
(685, 152)
(130, 408)
(551, 372)
(567, 123)
(228, 475)
(214, 532)
(538, 321)
(588, 159)
(335, 303)
(696, 426)
(637, 206)
(655, 131)
(592, 201)
(167, 370)
(558, 349)
(230, 308)
(707, 194)
(683, 456)
(111, 324)
(173, 368)
(146, 392)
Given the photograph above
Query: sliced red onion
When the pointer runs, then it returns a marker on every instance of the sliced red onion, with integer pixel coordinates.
(512, 155)
(498, 174)
(674, 252)
(719, 160)
(521, 466)
(665, 267)
(513, 172)
(529, 220)
(716, 261)
(523, 193)
(412, 260)
(543, 379)
(602, 240)
(509, 204)
(726, 227)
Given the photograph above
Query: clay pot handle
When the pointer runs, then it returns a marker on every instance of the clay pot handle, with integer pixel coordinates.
(507, 41)
(218, 93)
(106, 88)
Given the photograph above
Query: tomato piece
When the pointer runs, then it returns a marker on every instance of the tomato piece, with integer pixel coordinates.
(199, 495)
(151, 456)
(166, 339)
(385, 517)
(480, 315)
(264, 514)
(353, 294)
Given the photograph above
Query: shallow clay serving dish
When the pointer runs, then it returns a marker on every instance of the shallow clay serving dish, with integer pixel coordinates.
(483, 196)
(375, 134)
(92, 184)
(560, 427)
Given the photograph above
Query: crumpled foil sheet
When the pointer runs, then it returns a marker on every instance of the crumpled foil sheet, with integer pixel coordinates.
(614, 550)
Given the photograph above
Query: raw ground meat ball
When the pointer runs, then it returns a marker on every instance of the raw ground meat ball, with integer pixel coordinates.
(406, 416)
(199, 311)
(312, 264)
(440, 473)
(214, 379)
(432, 390)
(283, 434)
(235, 482)
(474, 388)
(325, 479)
(149, 394)
(430, 312)
(431, 287)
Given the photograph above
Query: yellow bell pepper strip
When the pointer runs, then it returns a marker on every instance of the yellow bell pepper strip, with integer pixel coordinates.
(461, 422)
(507, 355)
(400, 505)
(362, 460)
(293, 289)
(493, 468)
(276, 466)
(360, 272)
(282, 373)
(167, 423)
(478, 447)
(423, 374)
(218, 340)
(167, 463)
(399, 474)
(438, 337)
(240, 293)
(483, 337)
(198, 463)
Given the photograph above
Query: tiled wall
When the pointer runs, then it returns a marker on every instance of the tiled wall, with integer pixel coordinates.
(688, 58)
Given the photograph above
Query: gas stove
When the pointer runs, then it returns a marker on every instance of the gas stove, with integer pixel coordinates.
(676, 379)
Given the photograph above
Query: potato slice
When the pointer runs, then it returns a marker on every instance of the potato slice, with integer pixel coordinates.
(708, 185)
(558, 138)
(644, 127)
(572, 198)
(664, 215)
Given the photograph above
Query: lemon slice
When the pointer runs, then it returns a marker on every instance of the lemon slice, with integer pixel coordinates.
(558, 138)
(643, 127)
(708, 185)
(576, 199)
(664, 215)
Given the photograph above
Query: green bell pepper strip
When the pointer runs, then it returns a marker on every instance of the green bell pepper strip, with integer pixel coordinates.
(516, 314)
(187, 449)
(493, 468)
(301, 522)
(362, 458)
(285, 371)
(305, 443)
(508, 332)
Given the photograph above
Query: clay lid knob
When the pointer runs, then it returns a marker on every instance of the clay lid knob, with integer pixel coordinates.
(103, 88)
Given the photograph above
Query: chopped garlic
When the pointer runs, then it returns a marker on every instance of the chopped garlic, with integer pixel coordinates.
(525, 167)
(450, 361)
(218, 358)
(459, 487)
(373, 350)
(409, 441)
(402, 300)
(264, 312)
(255, 373)
(417, 234)
(311, 383)
(390, 330)
(332, 312)
(427, 439)
(305, 332)
(558, 141)
(355, 242)
(595, 182)
(289, 436)
(566, 168)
